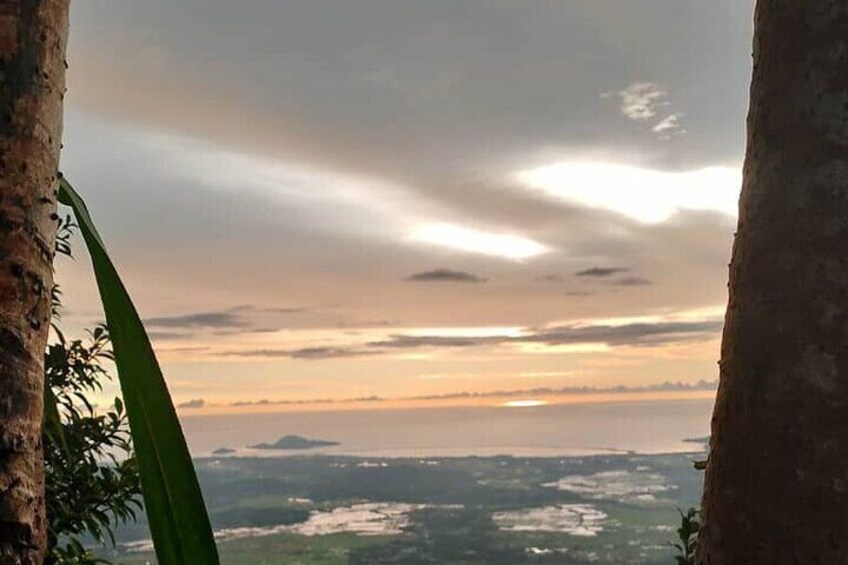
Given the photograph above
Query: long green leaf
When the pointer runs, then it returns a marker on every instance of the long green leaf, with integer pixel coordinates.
(178, 520)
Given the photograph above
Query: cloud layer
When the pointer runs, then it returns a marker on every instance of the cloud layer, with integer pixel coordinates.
(636, 334)
(445, 275)
(284, 161)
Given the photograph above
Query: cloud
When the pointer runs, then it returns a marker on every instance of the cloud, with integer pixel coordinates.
(669, 125)
(307, 353)
(645, 102)
(272, 310)
(166, 336)
(646, 195)
(338, 118)
(445, 275)
(232, 321)
(609, 334)
(640, 101)
(493, 244)
(667, 386)
(194, 403)
(606, 273)
(329, 353)
(634, 334)
(226, 319)
(367, 323)
(415, 341)
(269, 402)
(638, 334)
(632, 281)
(601, 272)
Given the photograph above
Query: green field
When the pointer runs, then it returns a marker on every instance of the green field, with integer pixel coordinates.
(500, 510)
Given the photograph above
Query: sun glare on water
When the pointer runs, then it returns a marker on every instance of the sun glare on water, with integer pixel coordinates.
(523, 403)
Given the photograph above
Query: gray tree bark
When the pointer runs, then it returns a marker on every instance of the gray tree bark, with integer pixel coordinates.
(33, 35)
(777, 479)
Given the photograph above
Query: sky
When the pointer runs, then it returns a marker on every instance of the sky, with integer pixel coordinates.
(341, 199)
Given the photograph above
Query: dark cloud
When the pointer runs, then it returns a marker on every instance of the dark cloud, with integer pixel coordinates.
(633, 335)
(667, 386)
(271, 310)
(308, 353)
(445, 275)
(633, 281)
(329, 353)
(194, 403)
(166, 336)
(231, 321)
(414, 341)
(630, 334)
(262, 402)
(601, 272)
(652, 334)
(268, 402)
(191, 350)
(367, 323)
(226, 319)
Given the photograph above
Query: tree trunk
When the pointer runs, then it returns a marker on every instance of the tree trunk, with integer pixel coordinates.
(33, 34)
(777, 479)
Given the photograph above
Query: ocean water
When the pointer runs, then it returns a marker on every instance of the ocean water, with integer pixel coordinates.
(537, 431)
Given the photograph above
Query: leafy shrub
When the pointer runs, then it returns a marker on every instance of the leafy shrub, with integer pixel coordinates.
(687, 533)
(91, 477)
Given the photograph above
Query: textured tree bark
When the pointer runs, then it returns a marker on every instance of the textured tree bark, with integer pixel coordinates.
(777, 479)
(33, 34)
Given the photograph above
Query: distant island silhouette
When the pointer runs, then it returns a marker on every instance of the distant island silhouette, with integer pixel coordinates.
(223, 451)
(704, 439)
(295, 442)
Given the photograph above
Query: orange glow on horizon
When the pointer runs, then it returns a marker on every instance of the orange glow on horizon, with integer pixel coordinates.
(523, 403)
(481, 401)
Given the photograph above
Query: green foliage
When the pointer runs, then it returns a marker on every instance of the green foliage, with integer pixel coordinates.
(440, 535)
(179, 523)
(91, 480)
(687, 533)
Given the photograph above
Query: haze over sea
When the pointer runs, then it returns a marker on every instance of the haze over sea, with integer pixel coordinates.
(655, 426)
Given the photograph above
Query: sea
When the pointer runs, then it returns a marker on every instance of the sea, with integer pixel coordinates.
(553, 430)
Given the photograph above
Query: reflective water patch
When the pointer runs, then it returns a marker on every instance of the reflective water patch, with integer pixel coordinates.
(620, 486)
(575, 519)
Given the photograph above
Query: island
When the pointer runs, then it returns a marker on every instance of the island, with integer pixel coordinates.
(223, 451)
(705, 440)
(295, 442)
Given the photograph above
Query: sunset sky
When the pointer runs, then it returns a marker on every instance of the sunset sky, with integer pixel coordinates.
(346, 198)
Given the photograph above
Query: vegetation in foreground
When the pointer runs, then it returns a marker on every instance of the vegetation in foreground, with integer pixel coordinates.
(91, 475)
